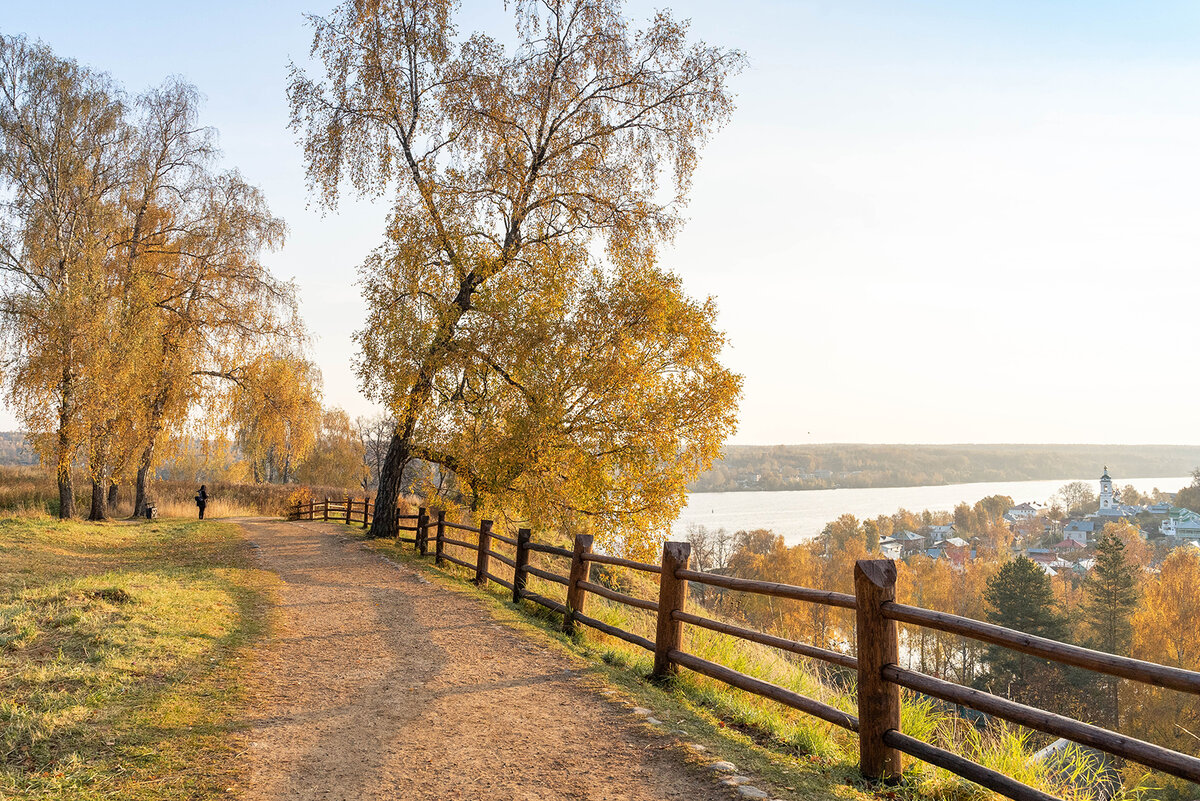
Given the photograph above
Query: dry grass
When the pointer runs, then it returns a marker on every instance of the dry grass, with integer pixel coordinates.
(26, 491)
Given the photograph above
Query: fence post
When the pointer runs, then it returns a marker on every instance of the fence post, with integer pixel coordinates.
(349, 504)
(579, 572)
(441, 537)
(878, 645)
(485, 544)
(672, 595)
(422, 531)
(325, 510)
(366, 510)
(519, 574)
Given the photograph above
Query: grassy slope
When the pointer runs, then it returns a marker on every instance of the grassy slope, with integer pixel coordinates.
(121, 651)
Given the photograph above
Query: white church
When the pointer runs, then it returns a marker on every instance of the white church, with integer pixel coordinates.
(1110, 500)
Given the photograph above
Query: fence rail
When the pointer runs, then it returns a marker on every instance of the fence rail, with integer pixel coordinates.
(879, 676)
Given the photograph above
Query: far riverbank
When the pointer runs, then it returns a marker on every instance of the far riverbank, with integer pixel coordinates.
(801, 514)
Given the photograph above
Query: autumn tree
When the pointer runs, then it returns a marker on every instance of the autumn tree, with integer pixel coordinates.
(134, 296)
(1112, 596)
(61, 133)
(1076, 496)
(336, 458)
(275, 409)
(519, 328)
(1164, 631)
(1189, 496)
(936, 584)
(842, 535)
(212, 306)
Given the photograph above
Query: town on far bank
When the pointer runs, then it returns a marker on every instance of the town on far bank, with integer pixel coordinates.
(1062, 535)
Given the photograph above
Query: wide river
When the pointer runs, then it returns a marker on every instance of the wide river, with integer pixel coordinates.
(800, 515)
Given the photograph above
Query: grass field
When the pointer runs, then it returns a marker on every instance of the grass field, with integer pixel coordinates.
(122, 652)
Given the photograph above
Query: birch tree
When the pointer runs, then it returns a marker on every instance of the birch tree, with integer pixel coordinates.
(61, 132)
(135, 304)
(530, 186)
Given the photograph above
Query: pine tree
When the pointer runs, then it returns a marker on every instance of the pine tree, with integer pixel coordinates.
(1112, 596)
(1021, 597)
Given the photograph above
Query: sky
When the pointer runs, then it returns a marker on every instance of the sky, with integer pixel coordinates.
(926, 222)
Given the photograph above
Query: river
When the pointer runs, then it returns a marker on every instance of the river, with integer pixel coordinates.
(800, 515)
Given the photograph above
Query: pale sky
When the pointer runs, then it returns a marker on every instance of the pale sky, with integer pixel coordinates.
(927, 221)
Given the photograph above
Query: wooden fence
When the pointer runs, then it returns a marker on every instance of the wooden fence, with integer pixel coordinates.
(879, 674)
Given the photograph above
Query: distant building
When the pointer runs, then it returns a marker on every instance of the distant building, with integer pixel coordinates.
(1067, 545)
(1183, 524)
(891, 547)
(1110, 500)
(1080, 530)
(1108, 496)
(910, 542)
(1023, 511)
(1052, 561)
(941, 532)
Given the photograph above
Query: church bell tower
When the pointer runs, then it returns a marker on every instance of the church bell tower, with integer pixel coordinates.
(1107, 497)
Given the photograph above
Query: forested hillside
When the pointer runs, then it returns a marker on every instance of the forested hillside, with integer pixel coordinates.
(790, 467)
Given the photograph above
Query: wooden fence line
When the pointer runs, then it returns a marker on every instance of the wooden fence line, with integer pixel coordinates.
(879, 676)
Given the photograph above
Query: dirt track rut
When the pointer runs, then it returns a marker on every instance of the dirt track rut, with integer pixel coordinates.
(381, 685)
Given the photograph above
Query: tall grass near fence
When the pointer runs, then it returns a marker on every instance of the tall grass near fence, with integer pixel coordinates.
(33, 491)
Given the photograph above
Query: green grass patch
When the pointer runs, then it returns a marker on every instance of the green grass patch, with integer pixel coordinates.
(122, 646)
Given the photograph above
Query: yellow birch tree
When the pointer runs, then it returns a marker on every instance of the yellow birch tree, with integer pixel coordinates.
(517, 174)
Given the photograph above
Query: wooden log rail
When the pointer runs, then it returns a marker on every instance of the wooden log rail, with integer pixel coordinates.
(880, 677)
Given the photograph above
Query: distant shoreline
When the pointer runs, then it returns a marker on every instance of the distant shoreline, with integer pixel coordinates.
(772, 468)
(751, 491)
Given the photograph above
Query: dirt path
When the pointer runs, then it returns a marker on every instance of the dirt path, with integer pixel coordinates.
(381, 685)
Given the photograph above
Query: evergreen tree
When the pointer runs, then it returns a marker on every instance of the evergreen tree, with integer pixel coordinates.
(1112, 596)
(1020, 597)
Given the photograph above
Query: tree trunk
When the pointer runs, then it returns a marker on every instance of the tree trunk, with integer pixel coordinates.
(391, 480)
(139, 492)
(113, 488)
(99, 497)
(66, 492)
(143, 471)
(66, 488)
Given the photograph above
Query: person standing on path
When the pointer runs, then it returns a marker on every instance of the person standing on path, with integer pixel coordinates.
(202, 500)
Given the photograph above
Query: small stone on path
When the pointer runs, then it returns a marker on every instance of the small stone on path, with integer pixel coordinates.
(697, 747)
(750, 791)
(734, 781)
(641, 710)
(723, 767)
(654, 721)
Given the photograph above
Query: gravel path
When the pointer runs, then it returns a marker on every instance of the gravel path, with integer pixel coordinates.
(381, 685)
